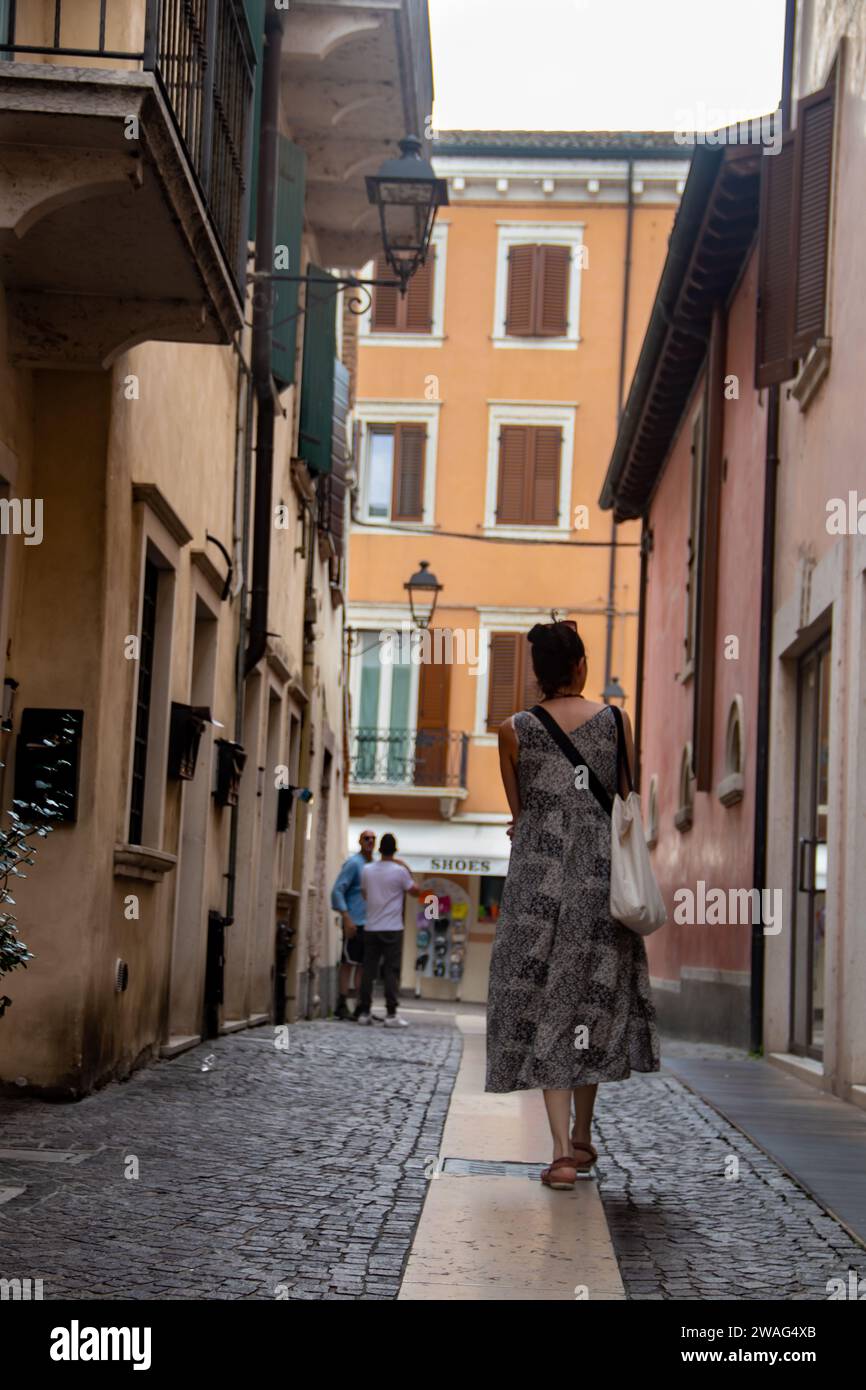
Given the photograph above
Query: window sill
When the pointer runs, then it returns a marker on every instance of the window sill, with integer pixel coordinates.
(731, 788)
(812, 373)
(135, 861)
(401, 340)
(684, 819)
(534, 344)
(526, 533)
(377, 525)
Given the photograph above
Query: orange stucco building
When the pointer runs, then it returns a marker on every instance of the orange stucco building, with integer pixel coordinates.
(487, 405)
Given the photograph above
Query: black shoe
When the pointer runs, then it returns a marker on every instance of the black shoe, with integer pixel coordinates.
(342, 1012)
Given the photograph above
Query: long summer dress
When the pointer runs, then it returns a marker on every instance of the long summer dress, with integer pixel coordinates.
(569, 1000)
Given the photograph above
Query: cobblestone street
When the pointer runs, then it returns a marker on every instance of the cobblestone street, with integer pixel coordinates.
(300, 1174)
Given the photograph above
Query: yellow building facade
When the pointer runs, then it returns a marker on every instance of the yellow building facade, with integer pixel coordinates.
(486, 408)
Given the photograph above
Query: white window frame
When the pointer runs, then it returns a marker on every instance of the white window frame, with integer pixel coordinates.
(436, 336)
(519, 413)
(369, 413)
(568, 234)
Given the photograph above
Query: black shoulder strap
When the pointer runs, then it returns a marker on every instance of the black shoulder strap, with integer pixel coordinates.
(560, 737)
(621, 750)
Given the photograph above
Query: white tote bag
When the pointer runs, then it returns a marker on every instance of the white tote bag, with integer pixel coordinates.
(635, 899)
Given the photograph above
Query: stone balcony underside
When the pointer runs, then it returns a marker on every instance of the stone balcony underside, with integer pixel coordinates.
(356, 79)
(105, 241)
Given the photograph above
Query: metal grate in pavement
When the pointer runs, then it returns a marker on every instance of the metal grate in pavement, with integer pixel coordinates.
(490, 1168)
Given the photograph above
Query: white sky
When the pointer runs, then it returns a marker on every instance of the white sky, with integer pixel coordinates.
(604, 64)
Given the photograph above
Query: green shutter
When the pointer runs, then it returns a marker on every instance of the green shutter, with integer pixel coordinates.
(288, 231)
(255, 12)
(317, 386)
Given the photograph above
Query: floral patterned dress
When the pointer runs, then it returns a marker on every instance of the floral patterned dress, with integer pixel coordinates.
(569, 1000)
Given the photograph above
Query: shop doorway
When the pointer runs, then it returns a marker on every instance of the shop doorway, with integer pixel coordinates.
(810, 859)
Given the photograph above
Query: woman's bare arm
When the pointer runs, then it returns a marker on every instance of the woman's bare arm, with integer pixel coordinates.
(508, 749)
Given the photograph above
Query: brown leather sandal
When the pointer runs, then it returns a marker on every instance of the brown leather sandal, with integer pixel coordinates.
(562, 1174)
(584, 1165)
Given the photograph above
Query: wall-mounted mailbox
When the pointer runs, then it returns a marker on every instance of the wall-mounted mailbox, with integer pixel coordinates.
(188, 723)
(229, 767)
(47, 759)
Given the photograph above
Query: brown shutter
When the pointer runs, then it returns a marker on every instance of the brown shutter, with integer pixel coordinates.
(419, 297)
(774, 357)
(522, 276)
(813, 182)
(543, 504)
(502, 698)
(431, 743)
(514, 470)
(529, 685)
(387, 303)
(552, 300)
(408, 490)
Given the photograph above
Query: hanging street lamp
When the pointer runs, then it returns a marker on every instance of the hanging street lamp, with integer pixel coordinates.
(408, 194)
(424, 589)
(614, 691)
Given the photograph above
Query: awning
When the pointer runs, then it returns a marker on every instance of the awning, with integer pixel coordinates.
(457, 847)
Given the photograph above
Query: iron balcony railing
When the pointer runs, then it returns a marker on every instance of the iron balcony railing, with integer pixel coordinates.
(408, 757)
(201, 53)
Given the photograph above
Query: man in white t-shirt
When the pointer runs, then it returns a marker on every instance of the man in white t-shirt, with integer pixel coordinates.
(384, 884)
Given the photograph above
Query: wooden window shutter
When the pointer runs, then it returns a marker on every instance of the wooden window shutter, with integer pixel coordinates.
(255, 13)
(544, 495)
(529, 685)
(552, 296)
(386, 301)
(316, 422)
(774, 357)
(504, 682)
(514, 472)
(813, 183)
(410, 442)
(419, 297)
(431, 744)
(288, 232)
(335, 517)
(522, 276)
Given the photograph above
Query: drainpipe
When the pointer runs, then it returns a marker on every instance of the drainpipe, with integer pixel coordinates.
(262, 342)
(623, 340)
(646, 545)
(765, 655)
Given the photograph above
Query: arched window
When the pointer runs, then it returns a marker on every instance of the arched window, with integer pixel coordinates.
(730, 789)
(684, 815)
(652, 824)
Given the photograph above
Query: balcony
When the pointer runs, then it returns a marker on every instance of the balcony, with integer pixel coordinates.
(356, 77)
(409, 763)
(125, 141)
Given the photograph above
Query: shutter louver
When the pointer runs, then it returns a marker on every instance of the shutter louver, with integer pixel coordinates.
(504, 668)
(386, 300)
(336, 512)
(408, 502)
(774, 358)
(813, 181)
(419, 297)
(554, 270)
(255, 13)
(520, 308)
(514, 444)
(544, 500)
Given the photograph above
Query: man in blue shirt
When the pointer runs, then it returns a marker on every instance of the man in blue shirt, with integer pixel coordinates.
(348, 900)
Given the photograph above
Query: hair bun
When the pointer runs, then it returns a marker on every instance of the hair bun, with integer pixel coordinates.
(537, 633)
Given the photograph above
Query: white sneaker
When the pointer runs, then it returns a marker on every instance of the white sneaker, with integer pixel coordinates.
(364, 1019)
(395, 1021)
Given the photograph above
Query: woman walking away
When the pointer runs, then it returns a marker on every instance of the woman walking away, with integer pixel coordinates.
(569, 1003)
